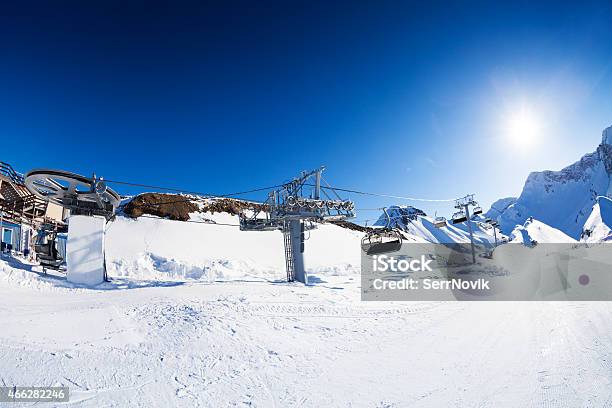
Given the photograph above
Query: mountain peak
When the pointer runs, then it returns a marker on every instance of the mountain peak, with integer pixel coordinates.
(564, 199)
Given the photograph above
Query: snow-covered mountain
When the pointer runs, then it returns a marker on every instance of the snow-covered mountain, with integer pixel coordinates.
(598, 227)
(416, 223)
(563, 199)
(534, 231)
(499, 206)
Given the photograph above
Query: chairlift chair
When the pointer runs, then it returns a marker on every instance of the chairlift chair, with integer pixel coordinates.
(47, 253)
(459, 217)
(439, 222)
(383, 240)
(477, 210)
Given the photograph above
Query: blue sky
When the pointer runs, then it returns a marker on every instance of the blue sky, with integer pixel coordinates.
(392, 97)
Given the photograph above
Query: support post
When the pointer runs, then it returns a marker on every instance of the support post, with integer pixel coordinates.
(317, 192)
(85, 250)
(296, 229)
(469, 224)
(2, 204)
(1, 223)
(495, 235)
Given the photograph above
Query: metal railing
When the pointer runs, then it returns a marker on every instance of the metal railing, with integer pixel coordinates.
(27, 208)
(8, 171)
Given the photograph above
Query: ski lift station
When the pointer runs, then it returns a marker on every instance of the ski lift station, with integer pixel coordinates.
(21, 212)
(87, 205)
(62, 217)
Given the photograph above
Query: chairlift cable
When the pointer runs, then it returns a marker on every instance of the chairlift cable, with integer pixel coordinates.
(327, 187)
(330, 187)
(191, 221)
(239, 193)
(346, 190)
(392, 196)
(198, 193)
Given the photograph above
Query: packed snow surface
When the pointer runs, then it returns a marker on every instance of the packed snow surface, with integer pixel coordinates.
(191, 343)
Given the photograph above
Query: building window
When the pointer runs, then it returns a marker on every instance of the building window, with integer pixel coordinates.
(7, 236)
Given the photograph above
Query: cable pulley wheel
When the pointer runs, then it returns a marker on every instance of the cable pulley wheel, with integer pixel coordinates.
(60, 187)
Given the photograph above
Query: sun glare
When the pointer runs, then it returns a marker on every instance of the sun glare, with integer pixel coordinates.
(522, 129)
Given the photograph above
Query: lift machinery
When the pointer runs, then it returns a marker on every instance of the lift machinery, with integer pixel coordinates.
(90, 203)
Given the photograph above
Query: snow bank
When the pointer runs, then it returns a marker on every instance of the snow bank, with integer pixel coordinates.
(17, 272)
(154, 248)
(150, 266)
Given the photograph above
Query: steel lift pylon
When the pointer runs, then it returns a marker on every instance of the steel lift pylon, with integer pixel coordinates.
(287, 208)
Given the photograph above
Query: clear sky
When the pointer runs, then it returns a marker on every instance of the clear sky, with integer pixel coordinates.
(401, 98)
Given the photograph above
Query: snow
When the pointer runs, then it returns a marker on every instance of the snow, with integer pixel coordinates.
(499, 206)
(198, 315)
(598, 227)
(563, 199)
(538, 232)
(420, 226)
(264, 344)
(154, 248)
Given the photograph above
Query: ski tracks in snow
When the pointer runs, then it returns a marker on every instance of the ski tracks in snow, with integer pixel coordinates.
(272, 345)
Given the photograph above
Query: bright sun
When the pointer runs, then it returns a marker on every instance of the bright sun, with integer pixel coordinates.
(522, 129)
